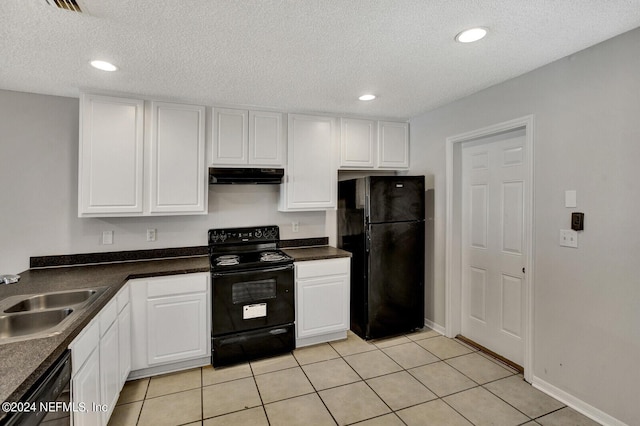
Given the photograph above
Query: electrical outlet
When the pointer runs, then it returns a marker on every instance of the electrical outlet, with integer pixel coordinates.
(107, 237)
(568, 238)
(295, 226)
(151, 234)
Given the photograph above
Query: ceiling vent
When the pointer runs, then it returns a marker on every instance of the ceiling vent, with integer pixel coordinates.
(71, 5)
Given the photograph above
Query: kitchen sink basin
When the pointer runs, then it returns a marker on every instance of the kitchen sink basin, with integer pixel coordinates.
(53, 300)
(31, 316)
(24, 324)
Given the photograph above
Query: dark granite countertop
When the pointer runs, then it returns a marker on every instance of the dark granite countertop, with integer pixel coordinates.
(24, 362)
(316, 253)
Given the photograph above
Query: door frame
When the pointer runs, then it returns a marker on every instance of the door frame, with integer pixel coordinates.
(453, 249)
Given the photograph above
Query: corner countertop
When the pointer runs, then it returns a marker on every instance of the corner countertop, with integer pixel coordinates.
(302, 254)
(24, 362)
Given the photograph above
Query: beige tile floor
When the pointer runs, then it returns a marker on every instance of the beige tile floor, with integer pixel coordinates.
(421, 378)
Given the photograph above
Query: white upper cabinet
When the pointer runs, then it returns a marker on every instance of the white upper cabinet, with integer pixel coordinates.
(110, 174)
(246, 138)
(230, 136)
(393, 145)
(368, 144)
(358, 140)
(312, 176)
(178, 182)
(129, 169)
(266, 141)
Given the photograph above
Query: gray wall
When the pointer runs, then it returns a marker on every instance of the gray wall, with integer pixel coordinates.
(586, 332)
(38, 194)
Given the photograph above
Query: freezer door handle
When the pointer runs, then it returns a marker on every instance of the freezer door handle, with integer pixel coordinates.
(367, 209)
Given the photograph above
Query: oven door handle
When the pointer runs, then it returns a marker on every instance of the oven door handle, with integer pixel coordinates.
(252, 271)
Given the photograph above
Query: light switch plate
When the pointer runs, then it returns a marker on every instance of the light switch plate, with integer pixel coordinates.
(568, 238)
(570, 198)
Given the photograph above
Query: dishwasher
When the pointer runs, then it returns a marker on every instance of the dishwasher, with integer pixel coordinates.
(48, 400)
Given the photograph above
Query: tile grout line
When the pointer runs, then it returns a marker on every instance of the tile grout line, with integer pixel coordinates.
(362, 379)
(313, 386)
(255, 382)
(144, 399)
(479, 385)
(201, 395)
(395, 412)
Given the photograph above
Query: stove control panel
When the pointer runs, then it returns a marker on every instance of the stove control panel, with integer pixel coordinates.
(244, 235)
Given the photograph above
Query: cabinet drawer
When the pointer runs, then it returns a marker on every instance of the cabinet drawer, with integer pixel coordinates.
(107, 316)
(122, 298)
(84, 344)
(322, 268)
(176, 284)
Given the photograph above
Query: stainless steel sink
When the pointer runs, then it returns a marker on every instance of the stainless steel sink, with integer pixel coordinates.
(31, 316)
(24, 324)
(53, 300)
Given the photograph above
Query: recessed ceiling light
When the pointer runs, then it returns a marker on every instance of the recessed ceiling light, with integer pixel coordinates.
(367, 97)
(471, 35)
(104, 66)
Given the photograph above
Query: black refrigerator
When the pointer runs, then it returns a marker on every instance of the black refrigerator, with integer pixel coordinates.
(381, 222)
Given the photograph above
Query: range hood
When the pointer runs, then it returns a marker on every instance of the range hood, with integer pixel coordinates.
(245, 176)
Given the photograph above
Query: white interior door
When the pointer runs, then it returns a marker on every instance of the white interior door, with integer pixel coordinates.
(494, 170)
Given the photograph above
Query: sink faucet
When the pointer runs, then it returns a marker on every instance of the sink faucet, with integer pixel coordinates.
(9, 279)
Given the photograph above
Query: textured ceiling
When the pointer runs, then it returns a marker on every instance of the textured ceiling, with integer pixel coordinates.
(296, 55)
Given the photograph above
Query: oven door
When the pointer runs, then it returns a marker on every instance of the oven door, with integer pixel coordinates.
(250, 300)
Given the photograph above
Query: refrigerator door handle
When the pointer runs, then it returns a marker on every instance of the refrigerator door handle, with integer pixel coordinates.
(367, 242)
(367, 209)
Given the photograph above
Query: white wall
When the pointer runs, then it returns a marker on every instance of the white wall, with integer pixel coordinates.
(586, 137)
(38, 194)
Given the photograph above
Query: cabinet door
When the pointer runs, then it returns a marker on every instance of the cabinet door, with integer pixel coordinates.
(393, 145)
(138, 288)
(265, 138)
(177, 328)
(177, 150)
(230, 137)
(124, 343)
(109, 370)
(322, 297)
(322, 306)
(312, 175)
(111, 156)
(85, 389)
(357, 143)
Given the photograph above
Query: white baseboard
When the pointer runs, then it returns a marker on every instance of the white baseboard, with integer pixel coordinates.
(314, 340)
(169, 368)
(432, 325)
(577, 404)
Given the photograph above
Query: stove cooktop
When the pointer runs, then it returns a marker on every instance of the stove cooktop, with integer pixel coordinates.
(248, 260)
(245, 248)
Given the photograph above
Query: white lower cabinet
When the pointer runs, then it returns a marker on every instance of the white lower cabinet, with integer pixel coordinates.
(85, 385)
(85, 377)
(109, 364)
(170, 322)
(124, 333)
(322, 300)
(98, 356)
